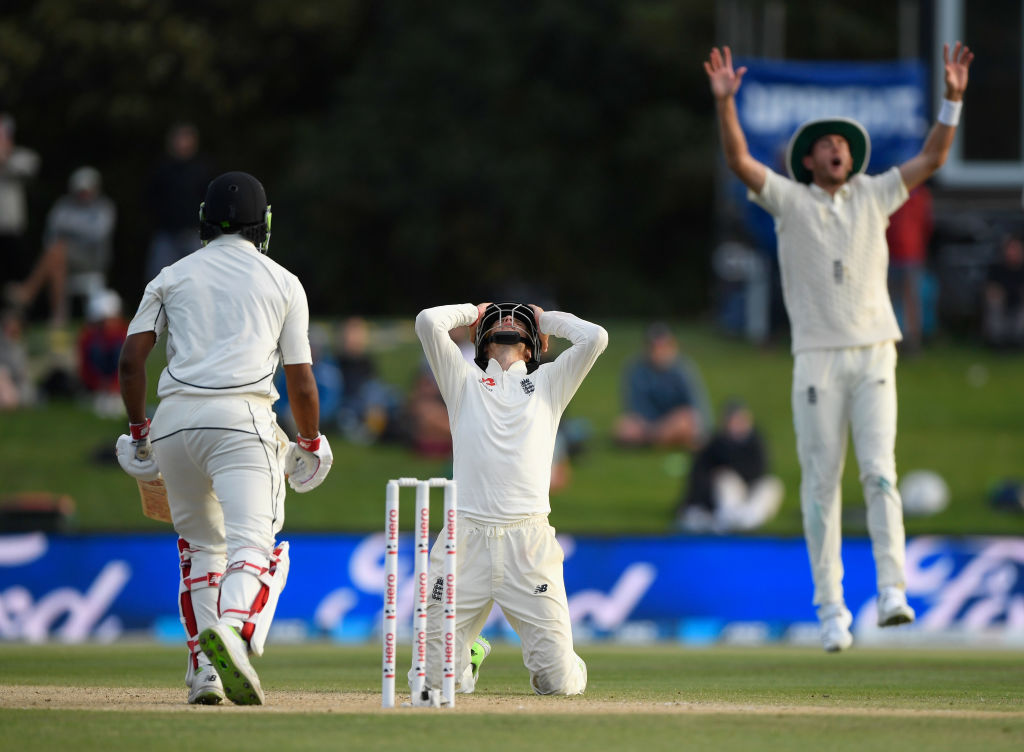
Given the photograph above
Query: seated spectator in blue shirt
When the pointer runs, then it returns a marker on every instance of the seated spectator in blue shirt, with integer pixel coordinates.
(665, 401)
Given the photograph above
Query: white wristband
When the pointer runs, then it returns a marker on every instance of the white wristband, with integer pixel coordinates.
(949, 113)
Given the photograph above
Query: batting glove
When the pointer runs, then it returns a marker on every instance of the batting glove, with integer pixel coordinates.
(135, 453)
(308, 462)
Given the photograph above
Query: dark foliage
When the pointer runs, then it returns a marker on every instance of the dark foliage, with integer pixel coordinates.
(414, 152)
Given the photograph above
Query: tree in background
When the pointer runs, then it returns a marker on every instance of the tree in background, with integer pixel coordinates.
(421, 151)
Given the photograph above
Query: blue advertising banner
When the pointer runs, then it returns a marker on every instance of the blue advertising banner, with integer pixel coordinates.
(695, 589)
(889, 99)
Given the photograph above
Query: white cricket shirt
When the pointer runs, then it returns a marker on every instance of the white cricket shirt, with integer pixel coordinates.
(504, 422)
(834, 258)
(231, 316)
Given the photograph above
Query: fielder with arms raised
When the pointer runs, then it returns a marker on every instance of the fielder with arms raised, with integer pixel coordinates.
(231, 316)
(830, 220)
(504, 411)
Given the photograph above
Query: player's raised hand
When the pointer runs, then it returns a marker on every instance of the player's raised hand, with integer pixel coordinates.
(956, 65)
(725, 82)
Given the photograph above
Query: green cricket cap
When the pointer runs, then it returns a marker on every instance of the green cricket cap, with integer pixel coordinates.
(805, 136)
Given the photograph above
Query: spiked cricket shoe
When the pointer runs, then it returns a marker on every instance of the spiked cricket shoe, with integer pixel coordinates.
(206, 687)
(835, 628)
(228, 653)
(893, 608)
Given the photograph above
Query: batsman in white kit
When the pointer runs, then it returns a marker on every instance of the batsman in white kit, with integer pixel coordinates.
(232, 315)
(504, 410)
(830, 220)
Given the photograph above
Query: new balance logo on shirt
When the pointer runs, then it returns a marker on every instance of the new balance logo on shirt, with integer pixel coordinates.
(540, 589)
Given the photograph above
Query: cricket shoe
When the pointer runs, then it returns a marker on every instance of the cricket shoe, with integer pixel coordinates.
(478, 651)
(835, 621)
(230, 656)
(893, 608)
(206, 687)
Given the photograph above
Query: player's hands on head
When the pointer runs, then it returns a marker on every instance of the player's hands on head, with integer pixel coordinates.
(307, 463)
(725, 81)
(135, 453)
(537, 311)
(480, 308)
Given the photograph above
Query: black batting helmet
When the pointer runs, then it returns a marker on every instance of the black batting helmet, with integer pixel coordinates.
(236, 202)
(494, 314)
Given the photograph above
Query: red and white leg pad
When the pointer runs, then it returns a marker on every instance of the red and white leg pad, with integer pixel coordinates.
(260, 591)
(198, 592)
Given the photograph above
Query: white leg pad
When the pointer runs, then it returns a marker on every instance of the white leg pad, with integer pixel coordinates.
(198, 593)
(261, 590)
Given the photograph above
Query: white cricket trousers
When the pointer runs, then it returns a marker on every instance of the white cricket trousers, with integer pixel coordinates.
(519, 567)
(222, 459)
(837, 392)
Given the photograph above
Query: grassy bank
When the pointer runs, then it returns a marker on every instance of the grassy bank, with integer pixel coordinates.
(960, 415)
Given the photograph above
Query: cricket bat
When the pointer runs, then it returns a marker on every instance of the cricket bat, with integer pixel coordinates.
(153, 494)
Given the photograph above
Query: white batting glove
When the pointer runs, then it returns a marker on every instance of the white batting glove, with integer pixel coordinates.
(307, 463)
(135, 453)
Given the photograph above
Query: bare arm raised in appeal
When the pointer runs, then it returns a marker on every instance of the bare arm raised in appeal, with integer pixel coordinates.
(725, 82)
(933, 152)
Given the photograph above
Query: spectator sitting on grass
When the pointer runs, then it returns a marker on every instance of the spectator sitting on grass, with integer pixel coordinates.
(729, 488)
(665, 400)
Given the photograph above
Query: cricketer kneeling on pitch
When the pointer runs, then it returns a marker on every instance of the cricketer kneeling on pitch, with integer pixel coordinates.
(504, 409)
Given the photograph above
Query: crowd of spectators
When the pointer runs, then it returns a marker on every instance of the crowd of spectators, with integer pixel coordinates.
(65, 285)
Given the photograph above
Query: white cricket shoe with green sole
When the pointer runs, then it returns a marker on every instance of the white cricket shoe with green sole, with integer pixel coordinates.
(229, 654)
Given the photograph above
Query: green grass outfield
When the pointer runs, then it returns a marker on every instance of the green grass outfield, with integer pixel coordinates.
(960, 414)
(130, 697)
